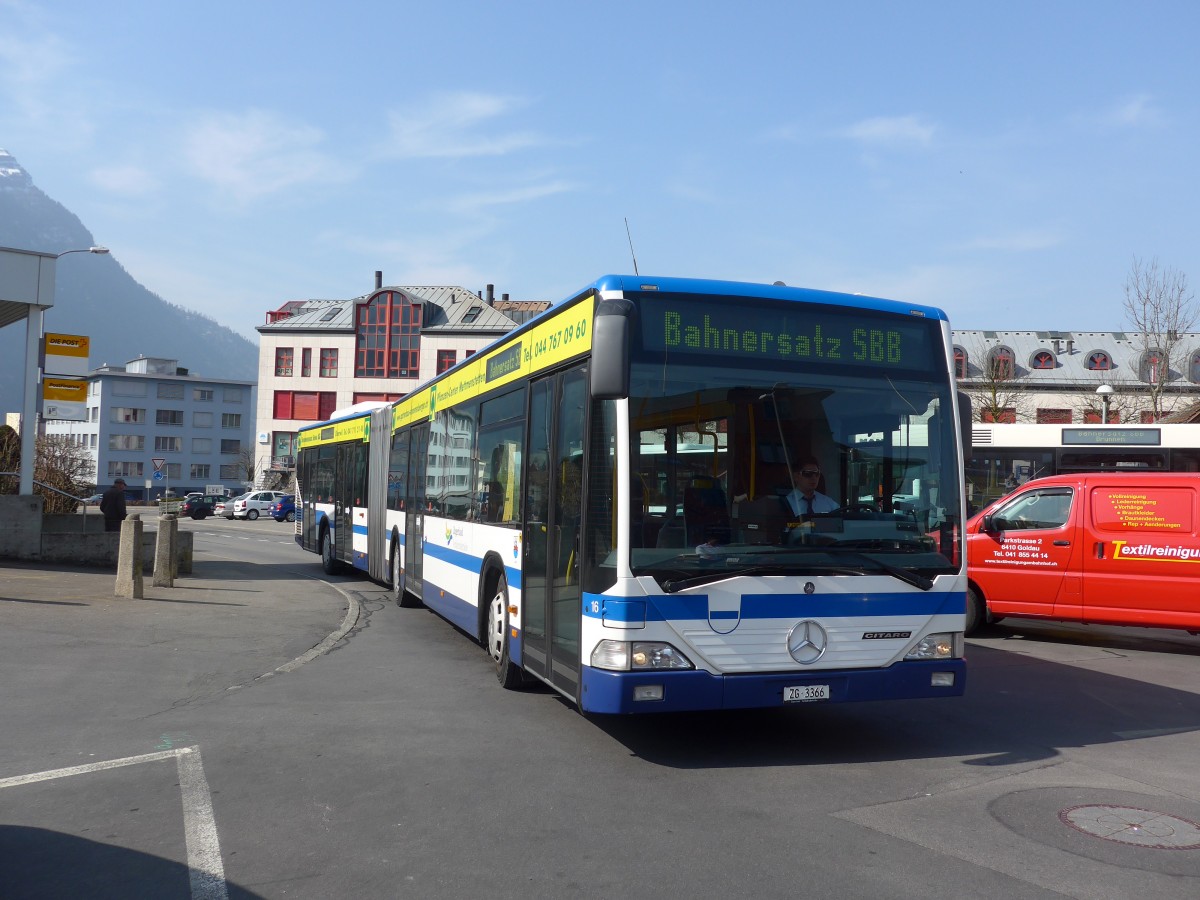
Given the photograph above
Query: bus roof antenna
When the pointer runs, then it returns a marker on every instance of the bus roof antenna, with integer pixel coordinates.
(631, 253)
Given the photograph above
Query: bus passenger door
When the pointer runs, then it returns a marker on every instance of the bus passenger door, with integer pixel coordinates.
(551, 598)
(414, 511)
(343, 501)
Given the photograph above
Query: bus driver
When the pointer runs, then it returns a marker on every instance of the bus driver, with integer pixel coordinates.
(804, 499)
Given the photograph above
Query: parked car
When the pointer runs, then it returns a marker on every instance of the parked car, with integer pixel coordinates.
(94, 499)
(284, 509)
(225, 507)
(200, 506)
(255, 504)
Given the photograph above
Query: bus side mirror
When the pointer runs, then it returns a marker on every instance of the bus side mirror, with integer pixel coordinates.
(610, 350)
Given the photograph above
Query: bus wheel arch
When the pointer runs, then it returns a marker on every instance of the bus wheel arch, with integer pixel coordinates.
(494, 602)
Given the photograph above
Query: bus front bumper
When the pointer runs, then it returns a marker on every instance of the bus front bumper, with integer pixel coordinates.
(602, 691)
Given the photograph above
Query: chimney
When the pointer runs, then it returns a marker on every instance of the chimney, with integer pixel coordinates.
(491, 297)
(504, 297)
(378, 279)
(1057, 347)
(1070, 345)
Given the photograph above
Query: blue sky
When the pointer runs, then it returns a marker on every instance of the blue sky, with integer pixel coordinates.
(1003, 161)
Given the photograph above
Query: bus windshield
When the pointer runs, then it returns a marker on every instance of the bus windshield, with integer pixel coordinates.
(728, 442)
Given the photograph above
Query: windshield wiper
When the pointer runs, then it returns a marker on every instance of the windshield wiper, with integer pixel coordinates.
(916, 579)
(671, 585)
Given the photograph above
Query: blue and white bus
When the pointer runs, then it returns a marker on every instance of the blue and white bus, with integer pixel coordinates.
(600, 498)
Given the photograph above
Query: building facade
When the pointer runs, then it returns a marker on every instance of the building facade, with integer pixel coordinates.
(164, 429)
(1077, 377)
(319, 356)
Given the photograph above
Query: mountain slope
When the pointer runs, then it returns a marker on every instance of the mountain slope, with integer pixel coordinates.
(96, 297)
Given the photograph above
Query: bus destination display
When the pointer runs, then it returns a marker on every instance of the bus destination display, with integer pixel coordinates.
(809, 334)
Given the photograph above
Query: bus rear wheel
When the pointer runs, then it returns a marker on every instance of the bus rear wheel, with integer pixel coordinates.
(404, 599)
(507, 673)
(329, 565)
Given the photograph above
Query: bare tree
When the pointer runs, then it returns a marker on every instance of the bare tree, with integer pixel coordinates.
(1162, 309)
(995, 391)
(62, 469)
(247, 463)
(62, 464)
(1124, 402)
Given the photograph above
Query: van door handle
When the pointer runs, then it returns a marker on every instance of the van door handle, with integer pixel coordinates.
(1062, 543)
(1099, 550)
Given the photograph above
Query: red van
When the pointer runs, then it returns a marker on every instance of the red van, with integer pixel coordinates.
(1116, 548)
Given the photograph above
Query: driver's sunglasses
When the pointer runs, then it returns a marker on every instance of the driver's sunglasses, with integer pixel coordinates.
(810, 473)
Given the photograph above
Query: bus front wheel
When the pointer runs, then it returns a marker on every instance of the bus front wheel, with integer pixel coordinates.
(507, 673)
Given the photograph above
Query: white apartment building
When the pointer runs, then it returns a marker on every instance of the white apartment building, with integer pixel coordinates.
(318, 356)
(162, 428)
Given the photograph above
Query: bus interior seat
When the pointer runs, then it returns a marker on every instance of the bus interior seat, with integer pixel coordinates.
(705, 513)
(670, 535)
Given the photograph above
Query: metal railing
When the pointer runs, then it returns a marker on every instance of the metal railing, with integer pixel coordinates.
(50, 487)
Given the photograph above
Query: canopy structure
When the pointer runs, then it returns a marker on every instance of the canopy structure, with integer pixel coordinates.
(26, 292)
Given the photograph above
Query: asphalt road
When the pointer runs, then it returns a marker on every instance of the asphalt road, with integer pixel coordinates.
(187, 757)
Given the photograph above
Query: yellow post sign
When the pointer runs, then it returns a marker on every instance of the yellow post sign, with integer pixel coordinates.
(64, 398)
(66, 354)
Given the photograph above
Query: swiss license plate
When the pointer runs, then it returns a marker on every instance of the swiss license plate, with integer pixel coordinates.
(803, 693)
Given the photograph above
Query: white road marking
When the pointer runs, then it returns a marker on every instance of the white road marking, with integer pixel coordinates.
(206, 871)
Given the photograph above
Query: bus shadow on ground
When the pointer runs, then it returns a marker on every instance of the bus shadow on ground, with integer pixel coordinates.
(1017, 709)
(40, 863)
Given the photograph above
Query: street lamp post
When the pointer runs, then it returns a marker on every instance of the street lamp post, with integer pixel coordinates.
(98, 250)
(1105, 391)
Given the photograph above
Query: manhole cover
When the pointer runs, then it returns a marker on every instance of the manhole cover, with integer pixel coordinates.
(1130, 825)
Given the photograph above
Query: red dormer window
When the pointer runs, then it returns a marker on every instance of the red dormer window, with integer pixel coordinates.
(960, 363)
(1099, 361)
(1000, 364)
(1043, 359)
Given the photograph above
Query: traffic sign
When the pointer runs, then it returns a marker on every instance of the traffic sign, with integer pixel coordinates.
(158, 464)
(158, 476)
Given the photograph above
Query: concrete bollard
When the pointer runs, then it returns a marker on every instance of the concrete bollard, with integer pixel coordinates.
(129, 560)
(165, 563)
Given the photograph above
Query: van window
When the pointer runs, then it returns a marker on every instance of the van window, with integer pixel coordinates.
(1036, 509)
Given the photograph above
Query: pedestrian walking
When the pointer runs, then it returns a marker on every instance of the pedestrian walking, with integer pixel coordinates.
(112, 506)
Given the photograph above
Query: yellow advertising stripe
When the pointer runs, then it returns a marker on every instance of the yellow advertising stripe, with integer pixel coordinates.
(357, 429)
(561, 337)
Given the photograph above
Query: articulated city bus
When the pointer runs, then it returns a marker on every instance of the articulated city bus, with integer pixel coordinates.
(1005, 456)
(601, 497)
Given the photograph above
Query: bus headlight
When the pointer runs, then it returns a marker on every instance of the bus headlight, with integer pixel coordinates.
(946, 645)
(638, 656)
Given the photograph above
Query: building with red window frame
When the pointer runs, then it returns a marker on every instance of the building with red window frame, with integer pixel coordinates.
(1051, 377)
(318, 356)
